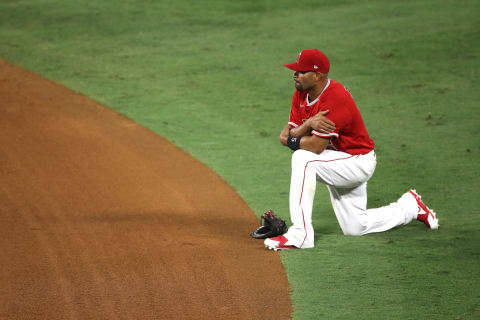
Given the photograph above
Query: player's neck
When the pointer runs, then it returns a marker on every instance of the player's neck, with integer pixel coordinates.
(316, 91)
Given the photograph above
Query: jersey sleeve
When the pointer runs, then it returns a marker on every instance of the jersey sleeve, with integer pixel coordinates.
(295, 119)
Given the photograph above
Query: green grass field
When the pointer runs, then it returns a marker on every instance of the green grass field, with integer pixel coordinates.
(209, 76)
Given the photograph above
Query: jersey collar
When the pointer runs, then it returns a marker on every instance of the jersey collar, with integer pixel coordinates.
(316, 100)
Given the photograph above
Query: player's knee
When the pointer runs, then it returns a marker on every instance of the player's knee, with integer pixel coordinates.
(299, 158)
(353, 231)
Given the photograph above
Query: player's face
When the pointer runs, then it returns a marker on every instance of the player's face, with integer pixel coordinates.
(304, 80)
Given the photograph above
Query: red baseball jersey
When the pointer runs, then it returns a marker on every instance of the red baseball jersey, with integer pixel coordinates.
(350, 134)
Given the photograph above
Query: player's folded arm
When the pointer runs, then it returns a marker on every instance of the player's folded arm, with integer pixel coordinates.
(300, 130)
(314, 143)
(292, 129)
(284, 134)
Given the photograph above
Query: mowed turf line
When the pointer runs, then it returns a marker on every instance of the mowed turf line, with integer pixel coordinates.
(208, 76)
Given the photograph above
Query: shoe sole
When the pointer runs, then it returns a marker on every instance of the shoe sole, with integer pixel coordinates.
(279, 249)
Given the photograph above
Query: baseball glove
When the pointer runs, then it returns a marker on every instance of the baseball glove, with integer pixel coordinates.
(271, 226)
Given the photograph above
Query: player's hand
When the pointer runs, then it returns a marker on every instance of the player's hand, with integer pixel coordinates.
(321, 124)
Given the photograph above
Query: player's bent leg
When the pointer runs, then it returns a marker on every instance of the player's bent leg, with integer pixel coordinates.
(407, 208)
(302, 191)
(342, 173)
(307, 167)
(355, 220)
(398, 213)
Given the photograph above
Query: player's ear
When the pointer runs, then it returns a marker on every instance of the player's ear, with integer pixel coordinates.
(320, 76)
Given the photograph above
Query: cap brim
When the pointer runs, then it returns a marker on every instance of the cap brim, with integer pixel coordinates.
(295, 67)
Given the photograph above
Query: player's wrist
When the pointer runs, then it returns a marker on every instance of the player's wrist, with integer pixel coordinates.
(293, 142)
(308, 123)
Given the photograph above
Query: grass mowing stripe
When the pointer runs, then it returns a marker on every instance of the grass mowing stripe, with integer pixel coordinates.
(208, 76)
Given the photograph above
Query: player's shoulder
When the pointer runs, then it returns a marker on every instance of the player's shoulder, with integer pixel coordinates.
(337, 87)
(338, 91)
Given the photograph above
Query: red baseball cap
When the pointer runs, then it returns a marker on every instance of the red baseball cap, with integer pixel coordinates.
(310, 60)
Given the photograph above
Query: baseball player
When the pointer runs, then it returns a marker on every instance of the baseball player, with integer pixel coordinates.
(331, 144)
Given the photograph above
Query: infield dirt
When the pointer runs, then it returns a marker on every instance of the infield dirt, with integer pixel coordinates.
(103, 219)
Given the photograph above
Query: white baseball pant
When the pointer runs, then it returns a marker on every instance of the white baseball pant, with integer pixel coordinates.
(346, 178)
